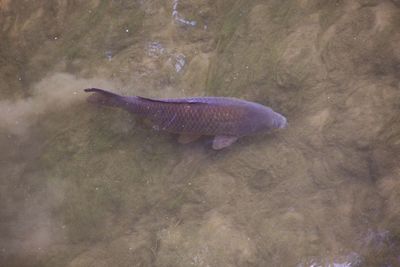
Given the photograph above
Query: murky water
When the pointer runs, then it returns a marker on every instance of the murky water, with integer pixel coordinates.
(89, 186)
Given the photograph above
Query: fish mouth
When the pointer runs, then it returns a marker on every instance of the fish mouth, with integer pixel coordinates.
(282, 122)
(284, 125)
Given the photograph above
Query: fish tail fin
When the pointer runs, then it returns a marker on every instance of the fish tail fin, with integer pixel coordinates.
(104, 98)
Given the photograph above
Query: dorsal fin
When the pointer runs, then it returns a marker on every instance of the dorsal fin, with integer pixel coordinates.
(173, 101)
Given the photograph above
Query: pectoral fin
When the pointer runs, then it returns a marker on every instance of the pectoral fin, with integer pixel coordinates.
(222, 141)
(188, 138)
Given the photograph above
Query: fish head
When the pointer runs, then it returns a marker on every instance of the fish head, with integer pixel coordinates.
(266, 119)
(279, 121)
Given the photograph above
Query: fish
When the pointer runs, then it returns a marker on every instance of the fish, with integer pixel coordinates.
(225, 118)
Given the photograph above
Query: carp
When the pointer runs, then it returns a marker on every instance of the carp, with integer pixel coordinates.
(225, 118)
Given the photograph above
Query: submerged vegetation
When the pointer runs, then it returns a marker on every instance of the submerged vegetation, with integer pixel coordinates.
(84, 185)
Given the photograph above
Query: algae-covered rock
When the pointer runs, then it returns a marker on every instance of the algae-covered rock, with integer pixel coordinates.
(214, 242)
(84, 185)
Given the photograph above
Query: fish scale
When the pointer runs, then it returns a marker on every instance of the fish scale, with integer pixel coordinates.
(225, 118)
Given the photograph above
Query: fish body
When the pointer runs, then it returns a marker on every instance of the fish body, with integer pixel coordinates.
(225, 118)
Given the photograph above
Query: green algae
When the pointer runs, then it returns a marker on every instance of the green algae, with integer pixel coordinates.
(117, 193)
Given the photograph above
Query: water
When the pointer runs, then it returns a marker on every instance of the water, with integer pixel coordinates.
(83, 185)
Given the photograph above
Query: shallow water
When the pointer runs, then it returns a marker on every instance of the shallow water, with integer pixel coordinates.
(89, 186)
